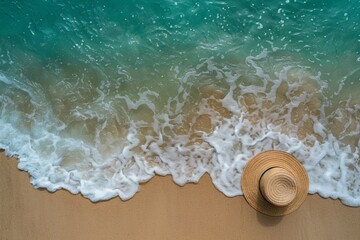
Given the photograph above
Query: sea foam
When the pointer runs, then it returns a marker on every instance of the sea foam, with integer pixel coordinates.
(212, 128)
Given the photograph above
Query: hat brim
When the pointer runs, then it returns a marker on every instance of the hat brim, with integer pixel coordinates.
(257, 166)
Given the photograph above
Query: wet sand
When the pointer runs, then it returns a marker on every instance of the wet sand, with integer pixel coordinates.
(161, 210)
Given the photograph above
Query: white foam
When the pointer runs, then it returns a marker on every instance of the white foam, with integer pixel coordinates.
(114, 156)
(4, 79)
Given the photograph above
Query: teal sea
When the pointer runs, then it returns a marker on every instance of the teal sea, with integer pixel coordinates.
(97, 97)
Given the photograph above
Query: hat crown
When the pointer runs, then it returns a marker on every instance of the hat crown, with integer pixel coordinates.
(278, 186)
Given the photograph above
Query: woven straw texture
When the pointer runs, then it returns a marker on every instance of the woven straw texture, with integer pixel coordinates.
(282, 199)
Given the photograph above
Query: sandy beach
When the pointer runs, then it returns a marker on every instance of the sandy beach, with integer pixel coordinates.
(161, 210)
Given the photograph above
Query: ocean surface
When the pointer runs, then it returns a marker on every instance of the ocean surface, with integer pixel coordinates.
(97, 97)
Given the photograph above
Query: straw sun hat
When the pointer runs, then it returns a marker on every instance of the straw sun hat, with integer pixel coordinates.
(275, 183)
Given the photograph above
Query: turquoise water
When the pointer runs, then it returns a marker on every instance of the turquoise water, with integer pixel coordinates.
(99, 96)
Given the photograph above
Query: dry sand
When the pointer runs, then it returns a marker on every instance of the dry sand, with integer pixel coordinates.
(161, 210)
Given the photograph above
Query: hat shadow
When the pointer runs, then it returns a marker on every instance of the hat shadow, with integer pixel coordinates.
(266, 220)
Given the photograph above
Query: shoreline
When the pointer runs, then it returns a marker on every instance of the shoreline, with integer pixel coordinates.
(160, 210)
